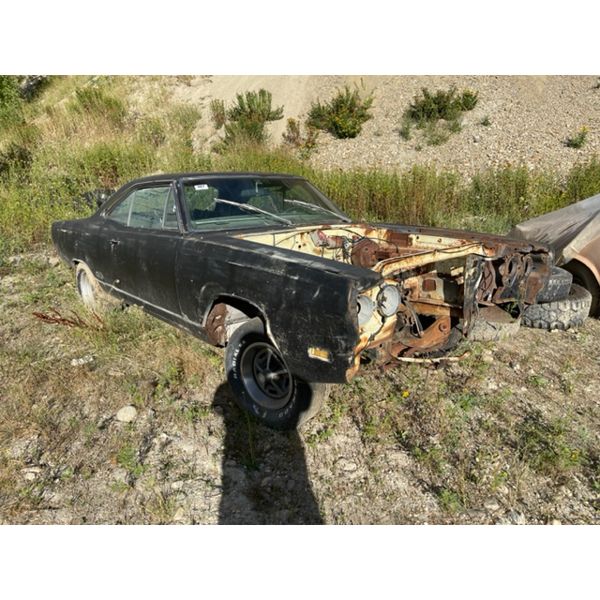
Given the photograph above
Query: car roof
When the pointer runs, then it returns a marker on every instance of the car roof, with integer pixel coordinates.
(195, 175)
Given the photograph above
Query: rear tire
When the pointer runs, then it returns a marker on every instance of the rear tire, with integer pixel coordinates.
(263, 385)
(561, 314)
(91, 292)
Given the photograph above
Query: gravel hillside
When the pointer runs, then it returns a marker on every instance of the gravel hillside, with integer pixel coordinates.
(529, 118)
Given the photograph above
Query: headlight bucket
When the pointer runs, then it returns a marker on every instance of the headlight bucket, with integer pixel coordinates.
(366, 308)
(388, 300)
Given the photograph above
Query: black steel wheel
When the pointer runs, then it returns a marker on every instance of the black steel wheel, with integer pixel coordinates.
(262, 383)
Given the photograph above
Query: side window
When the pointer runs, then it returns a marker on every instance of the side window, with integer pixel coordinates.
(170, 216)
(120, 213)
(147, 208)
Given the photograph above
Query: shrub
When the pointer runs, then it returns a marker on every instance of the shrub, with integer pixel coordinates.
(426, 112)
(578, 140)
(293, 136)
(10, 103)
(485, 122)
(245, 121)
(97, 103)
(468, 100)
(217, 111)
(343, 116)
(14, 158)
(151, 131)
(430, 108)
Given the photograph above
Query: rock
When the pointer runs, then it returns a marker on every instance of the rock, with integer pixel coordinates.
(53, 261)
(487, 357)
(84, 360)
(31, 473)
(347, 465)
(516, 518)
(491, 505)
(555, 522)
(179, 515)
(120, 475)
(14, 261)
(126, 414)
(492, 386)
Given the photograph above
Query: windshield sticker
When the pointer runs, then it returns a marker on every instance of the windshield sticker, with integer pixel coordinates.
(201, 186)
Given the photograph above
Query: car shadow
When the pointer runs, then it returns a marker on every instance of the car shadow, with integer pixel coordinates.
(264, 475)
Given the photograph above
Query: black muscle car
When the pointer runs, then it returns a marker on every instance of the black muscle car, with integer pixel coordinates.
(299, 294)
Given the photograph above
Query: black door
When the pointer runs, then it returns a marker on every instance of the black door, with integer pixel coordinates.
(140, 238)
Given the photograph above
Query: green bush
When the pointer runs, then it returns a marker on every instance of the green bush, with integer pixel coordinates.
(304, 142)
(218, 114)
(437, 113)
(469, 99)
(433, 107)
(151, 131)
(344, 115)
(96, 102)
(10, 102)
(578, 140)
(245, 121)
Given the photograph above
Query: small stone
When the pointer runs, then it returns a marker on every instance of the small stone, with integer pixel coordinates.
(31, 473)
(126, 414)
(179, 515)
(84, 360)
(53, 261)
(555, 522)
(120, 475)
(487, 357)
(492, 386)
(491, 505)
(517, 518)
(347, 465)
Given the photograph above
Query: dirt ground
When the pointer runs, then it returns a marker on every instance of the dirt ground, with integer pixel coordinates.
(123, 419)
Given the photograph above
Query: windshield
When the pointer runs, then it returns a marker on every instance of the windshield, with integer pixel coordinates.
(212, 202)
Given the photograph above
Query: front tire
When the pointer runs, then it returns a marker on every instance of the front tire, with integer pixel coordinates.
(262, 383)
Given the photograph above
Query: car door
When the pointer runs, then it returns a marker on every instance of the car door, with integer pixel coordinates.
(140, 238)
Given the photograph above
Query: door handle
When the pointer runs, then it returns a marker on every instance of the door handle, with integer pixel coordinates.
(114, 243)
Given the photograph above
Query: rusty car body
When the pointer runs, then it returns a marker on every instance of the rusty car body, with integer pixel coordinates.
(299, 294)
(573, 234)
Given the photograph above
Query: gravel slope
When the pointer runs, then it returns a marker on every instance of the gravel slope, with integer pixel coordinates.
(530, 117)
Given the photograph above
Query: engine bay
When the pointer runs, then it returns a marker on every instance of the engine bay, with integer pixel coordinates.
(431, 280)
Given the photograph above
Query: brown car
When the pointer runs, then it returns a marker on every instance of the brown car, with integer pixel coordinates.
(573, 233)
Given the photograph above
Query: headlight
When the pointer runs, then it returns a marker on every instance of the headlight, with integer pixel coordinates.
(366, 307)
(388, 300)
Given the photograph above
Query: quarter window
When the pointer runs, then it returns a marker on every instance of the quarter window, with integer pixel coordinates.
(147, 208)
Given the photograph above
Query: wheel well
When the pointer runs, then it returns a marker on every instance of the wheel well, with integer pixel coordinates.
(226, 314)
(585, 277)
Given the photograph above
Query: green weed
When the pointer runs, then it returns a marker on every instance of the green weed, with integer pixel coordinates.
(344, 115)
(96, 102)
(578, 140)
(246, 119)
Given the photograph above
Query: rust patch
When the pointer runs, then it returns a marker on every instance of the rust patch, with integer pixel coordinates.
(215, 325)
